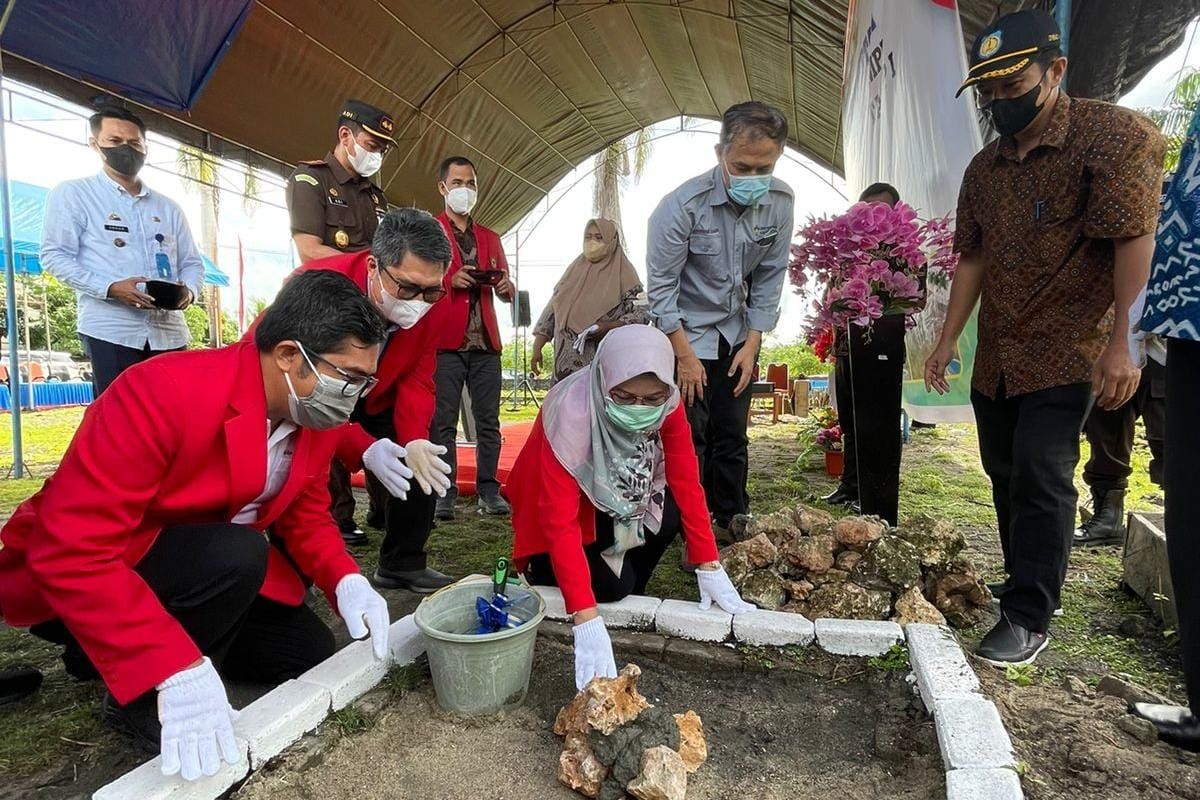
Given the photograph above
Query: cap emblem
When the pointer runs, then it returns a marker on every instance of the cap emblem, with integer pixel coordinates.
(990, 45)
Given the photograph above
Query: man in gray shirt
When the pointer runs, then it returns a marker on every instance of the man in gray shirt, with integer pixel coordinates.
(716, 260)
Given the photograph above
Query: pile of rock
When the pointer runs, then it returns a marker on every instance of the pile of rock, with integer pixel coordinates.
(807, 562)
(617, 744)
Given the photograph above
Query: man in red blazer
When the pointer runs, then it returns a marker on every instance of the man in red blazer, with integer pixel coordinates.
(173, 541)
(402, 276)
(470, 335)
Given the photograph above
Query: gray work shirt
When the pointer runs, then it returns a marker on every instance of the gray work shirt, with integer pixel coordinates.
(712, 270)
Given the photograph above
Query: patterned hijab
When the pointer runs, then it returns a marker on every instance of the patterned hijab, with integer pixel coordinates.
(589, 290)
(621, 472)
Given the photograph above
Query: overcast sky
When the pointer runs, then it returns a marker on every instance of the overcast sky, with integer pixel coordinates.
(48, 146)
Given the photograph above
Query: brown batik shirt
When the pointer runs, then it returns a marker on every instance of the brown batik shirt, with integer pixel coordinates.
(475, 337)
(1045, 226)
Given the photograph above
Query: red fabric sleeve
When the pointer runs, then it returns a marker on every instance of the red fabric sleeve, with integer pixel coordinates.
(683, 479)
(415, 393)
(558, 507)
(353, 443)
(312, 539)
(94, 502)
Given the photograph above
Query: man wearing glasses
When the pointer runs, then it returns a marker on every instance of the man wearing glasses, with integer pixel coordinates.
(172, 546)
(334, 209)
(402, 276)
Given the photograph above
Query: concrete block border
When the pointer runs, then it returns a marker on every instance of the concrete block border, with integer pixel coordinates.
(976, 749)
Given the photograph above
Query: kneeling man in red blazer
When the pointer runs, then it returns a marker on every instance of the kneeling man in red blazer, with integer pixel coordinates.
(174, 543)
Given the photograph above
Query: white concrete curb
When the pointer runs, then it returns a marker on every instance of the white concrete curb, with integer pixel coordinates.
(976, 750)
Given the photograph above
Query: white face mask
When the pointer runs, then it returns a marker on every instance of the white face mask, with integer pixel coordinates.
(461, 200)
(404, 313)
(365, 162)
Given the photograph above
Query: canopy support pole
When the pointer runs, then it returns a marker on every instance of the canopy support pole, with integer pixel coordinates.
(10, 269)
(1062, 12)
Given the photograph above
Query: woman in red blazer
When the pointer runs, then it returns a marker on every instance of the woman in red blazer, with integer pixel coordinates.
(607, 479)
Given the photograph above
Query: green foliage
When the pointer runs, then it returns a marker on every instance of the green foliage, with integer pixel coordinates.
(1173, 118)
(894, 660)
(197, 322)
(60, 298)
(799, 357)
(1020, 674)
(349, 721)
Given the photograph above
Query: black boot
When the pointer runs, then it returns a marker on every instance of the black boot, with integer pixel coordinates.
(1106, 526)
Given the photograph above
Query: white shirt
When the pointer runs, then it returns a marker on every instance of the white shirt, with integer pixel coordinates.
(279, 463)
(95, 233)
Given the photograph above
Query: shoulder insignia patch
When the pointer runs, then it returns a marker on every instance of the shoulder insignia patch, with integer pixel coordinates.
(304, 177)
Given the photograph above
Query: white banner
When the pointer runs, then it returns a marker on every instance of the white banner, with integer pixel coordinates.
(903, 125)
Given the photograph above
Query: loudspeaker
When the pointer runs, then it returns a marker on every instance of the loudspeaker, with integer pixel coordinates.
(520, 310)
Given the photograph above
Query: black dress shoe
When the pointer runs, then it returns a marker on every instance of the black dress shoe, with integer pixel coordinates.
(1010, 643)
(1183, 733)
(18, 683)
(1160, 713)
(137, 722)
(354, 537)
(444, 509)
(841, 496)
(421, 581)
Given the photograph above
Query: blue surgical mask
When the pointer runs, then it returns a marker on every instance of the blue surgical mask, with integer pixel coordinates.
(746, 190)
(633, 418)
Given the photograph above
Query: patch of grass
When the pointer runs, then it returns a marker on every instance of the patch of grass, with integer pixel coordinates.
(44, 435)
(401, 680)
(349, 721)
(1020, 674)
(13, 492)
(894, 660)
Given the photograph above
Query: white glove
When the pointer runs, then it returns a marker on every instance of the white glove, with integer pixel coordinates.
(715, 586)
(197, 723)
(581, 339)
(593, 653)
(383, 459)
(364, 610)
(431, 472)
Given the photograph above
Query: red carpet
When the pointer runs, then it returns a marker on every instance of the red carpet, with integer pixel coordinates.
(513, 438)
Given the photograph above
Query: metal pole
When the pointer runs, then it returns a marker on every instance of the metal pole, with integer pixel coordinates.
(28, 343)
(1062, 13)
(10, 269)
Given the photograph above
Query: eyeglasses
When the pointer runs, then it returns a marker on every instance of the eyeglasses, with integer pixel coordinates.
(352, 386)
(410, 291)
(623, 398)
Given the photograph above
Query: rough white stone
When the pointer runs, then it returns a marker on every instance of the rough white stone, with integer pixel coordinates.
(687, 621)
(983, 784)
(280, 717)
(634, 612)
(971, 735)
(555, 609)
(148, 783)
(772, 628)
(405, 642)
(937, 661)
(857, 637)
(348, 673)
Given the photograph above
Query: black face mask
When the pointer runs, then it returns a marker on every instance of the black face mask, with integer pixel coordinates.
(1012, 115)
(124, 159)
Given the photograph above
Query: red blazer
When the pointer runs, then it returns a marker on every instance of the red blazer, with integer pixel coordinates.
(452, 311)
(551, 514)
(178, 439)
(405, 373)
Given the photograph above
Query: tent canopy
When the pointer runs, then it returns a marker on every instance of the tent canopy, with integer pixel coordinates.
(528, 89)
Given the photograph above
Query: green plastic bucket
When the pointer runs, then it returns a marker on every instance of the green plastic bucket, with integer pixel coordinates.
(476, 673)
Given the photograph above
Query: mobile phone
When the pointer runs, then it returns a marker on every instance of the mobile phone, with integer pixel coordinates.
(488, 277)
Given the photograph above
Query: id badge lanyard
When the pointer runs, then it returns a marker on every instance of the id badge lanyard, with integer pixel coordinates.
(162, 262)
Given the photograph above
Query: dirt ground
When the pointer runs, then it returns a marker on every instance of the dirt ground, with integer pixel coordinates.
(776, 735)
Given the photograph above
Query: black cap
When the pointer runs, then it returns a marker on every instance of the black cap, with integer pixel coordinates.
(1010, 45)
(374, 121)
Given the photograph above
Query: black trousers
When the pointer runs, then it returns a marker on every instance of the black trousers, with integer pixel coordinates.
(480, 371)
(718, 422)
(1029, 445)
(215, 598)
(869, 378)
(110, 360)
(341, 496)
(637, 569)
(1110, 434)
(406, 523)
(1181, 482)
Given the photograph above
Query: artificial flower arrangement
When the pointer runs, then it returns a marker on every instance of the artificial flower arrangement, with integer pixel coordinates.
(830, 439)
(875, 259)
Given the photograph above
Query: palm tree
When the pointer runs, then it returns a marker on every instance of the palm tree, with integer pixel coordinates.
(614, 169)
(1173, 118)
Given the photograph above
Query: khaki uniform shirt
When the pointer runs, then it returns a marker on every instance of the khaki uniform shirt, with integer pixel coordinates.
(326, 200)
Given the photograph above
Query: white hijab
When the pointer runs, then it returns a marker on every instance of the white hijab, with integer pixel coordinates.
(620, 471)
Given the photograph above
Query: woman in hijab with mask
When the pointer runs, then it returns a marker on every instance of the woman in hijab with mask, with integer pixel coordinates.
(607, 479)
(599, 291)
